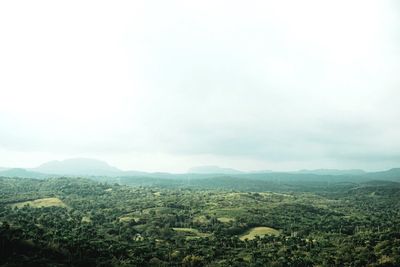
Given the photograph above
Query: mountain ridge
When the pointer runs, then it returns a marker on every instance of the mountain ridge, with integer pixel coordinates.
(332, 171)
(213, 169)
(77, 166)
(81, 167)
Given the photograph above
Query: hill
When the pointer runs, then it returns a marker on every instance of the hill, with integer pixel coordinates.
(22, 173)
(78, 166)
(333, 172)
(213, 170)
(392, 175)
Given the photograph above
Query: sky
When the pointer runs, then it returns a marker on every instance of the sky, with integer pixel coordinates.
(168, 85)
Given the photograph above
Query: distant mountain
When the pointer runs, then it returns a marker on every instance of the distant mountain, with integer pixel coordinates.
(392, 174)
(133, 173)
(213, 170)
(22, 173)
(333, 172)
(78, 166)
(102, 171)
(262, 171)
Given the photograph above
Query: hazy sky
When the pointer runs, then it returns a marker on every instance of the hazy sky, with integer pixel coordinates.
(167, 85)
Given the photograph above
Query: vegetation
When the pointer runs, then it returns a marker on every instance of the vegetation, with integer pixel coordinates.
(81, 222)
(41, 202)
(258, 231)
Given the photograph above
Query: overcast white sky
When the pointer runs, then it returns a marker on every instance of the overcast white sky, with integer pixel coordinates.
(167, 85)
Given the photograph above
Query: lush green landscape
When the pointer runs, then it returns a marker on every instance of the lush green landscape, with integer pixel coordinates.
(199, 133)
(82, 222)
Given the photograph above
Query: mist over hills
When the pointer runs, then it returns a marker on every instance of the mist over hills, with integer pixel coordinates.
(392, 174)
(78, 166)
(202, 176)
(333, 172)
(23, 173)
(213, 170)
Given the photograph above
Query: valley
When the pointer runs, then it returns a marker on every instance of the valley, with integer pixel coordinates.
(83, 222)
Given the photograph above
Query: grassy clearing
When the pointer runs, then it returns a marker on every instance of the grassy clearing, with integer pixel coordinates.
(41, 202)
(158, 210)
(191, 232)
(128, 219)
(228, 212)
(225, 219)
(86, 219)
(200, 219)
(258, 231)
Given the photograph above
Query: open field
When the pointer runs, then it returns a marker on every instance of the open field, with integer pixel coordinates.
(86, 219)
(258, 231)
(41, 202)
(190, 232)
(225, 219)
(128, 219)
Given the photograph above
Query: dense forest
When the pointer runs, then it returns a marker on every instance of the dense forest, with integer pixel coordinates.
(82, 222)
